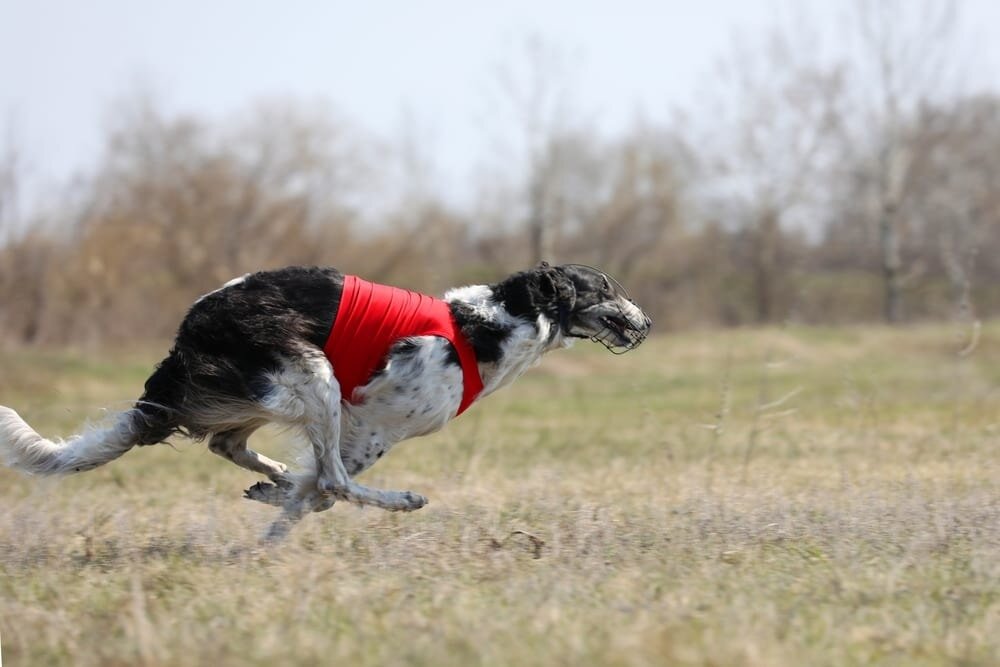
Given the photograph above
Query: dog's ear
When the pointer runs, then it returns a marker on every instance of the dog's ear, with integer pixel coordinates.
(542, 290)
(559, 291)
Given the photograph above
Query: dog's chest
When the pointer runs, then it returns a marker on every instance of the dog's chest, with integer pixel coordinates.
(415, 395)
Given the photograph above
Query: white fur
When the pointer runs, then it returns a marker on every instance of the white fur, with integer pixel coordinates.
(631, 311)
(231, 283)
(22, 448)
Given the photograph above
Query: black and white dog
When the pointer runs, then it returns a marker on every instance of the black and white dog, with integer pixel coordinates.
(259, 350)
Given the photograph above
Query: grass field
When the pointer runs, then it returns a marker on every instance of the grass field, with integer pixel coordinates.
(793, 497)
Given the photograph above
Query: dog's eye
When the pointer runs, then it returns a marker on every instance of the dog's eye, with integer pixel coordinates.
(606, 286)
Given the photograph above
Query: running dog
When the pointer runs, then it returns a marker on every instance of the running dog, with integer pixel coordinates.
(355, 366)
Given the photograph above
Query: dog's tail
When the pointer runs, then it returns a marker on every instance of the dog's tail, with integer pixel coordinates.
(150, 421)
(23, 449)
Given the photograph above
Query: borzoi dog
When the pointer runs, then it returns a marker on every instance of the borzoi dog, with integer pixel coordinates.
(356, 366)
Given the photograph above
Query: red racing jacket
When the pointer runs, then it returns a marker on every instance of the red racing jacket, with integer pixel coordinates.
(372, 317)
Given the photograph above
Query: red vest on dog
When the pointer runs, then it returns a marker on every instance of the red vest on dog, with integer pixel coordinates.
(372, 317)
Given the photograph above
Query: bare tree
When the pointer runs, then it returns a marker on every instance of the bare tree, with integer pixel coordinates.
(955, 207)
(11, 166)
(179, 205)
(768, 147)
(532, 93)
(905, 47)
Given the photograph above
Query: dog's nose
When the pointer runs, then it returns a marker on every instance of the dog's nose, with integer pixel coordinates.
(647, 322)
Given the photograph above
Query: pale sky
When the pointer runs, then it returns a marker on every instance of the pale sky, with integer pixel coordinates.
(63, 63)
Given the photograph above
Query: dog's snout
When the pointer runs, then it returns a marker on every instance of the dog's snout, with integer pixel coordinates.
(637, 318)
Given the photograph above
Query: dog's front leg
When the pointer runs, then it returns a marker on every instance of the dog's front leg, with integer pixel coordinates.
(332, 477)
(320, 402)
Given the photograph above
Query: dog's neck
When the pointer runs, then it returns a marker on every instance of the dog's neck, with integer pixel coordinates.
(507, 345)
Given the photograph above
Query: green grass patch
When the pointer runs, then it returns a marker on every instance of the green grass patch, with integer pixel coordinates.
(751, 497)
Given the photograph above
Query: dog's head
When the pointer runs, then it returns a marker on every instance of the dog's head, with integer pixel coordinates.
(585, 302)
(602, 310)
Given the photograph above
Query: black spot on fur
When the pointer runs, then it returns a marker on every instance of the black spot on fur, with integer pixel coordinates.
(452, 358)
(407, 346)
(404, 352)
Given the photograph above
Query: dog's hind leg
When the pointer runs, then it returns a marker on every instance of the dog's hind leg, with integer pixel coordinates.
(232, 445)
(306, 394)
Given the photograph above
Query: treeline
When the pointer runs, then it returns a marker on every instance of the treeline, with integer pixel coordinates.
(801, 193)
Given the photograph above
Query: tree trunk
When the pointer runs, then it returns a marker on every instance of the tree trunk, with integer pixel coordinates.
(765, 259)
(539, 228)
(891, 264)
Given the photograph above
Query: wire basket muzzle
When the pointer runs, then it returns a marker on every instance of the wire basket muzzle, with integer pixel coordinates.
(611, 338)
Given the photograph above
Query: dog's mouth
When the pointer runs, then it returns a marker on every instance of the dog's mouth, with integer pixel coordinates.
(621, 333)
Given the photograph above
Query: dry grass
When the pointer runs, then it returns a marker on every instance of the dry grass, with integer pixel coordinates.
(747, 498)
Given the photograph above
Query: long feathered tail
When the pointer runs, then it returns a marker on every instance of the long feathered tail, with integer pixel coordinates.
(23, 449)
(151, 420)
(158, 414)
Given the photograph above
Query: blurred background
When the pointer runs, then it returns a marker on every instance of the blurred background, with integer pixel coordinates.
(732, 162)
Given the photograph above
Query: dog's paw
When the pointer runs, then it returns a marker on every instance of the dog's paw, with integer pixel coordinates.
(264, 492)
(411, 501)
(282, 481)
